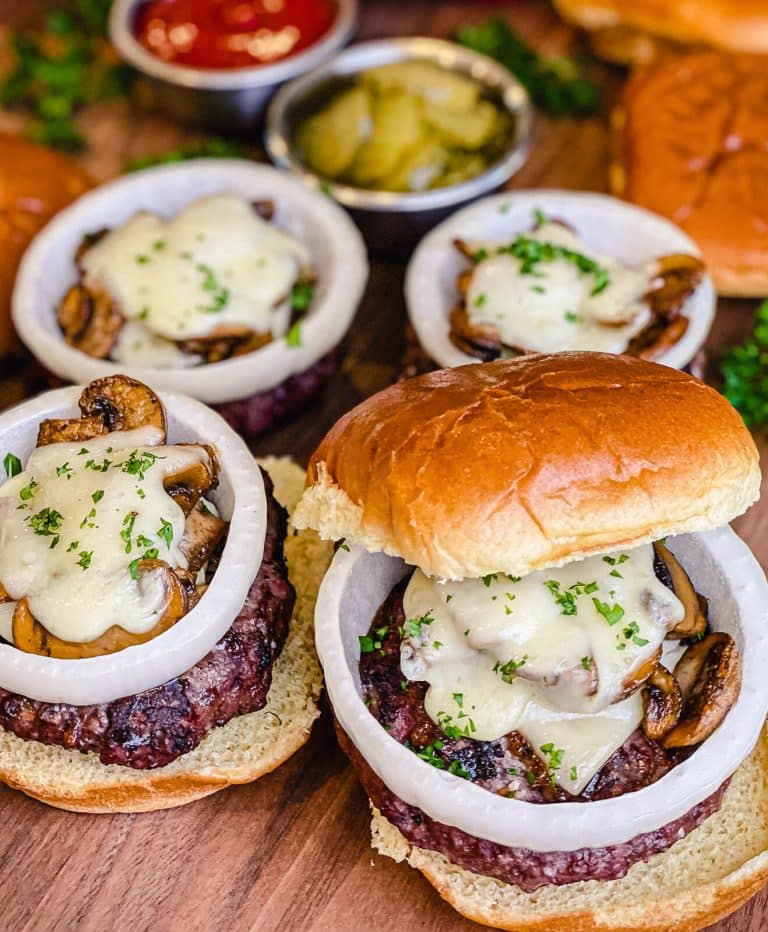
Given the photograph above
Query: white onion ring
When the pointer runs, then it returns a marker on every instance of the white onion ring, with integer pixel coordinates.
(335, 245)
(240, 499)
(722, 568)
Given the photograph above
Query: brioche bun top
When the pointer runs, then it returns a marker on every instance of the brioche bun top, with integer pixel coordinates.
(522, 464)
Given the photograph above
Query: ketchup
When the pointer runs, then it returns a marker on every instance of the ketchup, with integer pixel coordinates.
(231, 33)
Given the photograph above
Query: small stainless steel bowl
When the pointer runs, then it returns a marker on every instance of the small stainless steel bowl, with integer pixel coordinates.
(222, 100)
(392, 221)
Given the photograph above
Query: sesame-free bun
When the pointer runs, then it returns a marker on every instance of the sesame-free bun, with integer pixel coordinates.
(700, 879)
(522, 464)
(244, 749)
(634, 31)
(35, 183)
(689, 145)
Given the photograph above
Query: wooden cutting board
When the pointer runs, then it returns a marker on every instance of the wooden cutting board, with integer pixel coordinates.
(290, 852)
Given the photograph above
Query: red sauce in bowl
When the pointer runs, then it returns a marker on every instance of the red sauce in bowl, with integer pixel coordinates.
(224, 34)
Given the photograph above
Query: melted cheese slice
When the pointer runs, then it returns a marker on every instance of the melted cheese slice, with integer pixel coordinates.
(547, 655)
(74, 520)
(554, 309)
(215, 265)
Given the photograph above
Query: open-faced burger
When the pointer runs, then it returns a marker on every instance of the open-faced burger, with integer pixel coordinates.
(546, 667)
(222, 279)
(547, 271)
(152, 648)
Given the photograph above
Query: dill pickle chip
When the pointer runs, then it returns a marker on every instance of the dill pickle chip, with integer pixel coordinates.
(331, 138)
(397, 126)
(433, 84)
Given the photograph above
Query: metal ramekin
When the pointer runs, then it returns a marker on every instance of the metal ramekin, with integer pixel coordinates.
(222, 100)
(393, 221)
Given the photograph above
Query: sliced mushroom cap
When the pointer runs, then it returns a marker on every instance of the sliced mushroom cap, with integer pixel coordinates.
(694, 622)
(264, 209)
(677, 277)
(202, 532)
(89, 321)
(657, 338)
(710, 677)
(479, 340)
(225, 342)
(113, 403)
(30, 636)
(635, 680)
(662, 703)
(123, 404)
(187, 485)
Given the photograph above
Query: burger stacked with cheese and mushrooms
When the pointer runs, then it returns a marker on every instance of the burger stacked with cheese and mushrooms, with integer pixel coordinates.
(152, 646)
(543, 649)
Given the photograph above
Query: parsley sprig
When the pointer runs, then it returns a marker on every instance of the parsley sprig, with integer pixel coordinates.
(556, 84)
(745, 373)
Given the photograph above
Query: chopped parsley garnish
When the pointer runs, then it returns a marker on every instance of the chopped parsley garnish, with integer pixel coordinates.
(745, 373)
(83, 451)
(632, 633)
(142, 260)
(28, 491)
(302, 294)
(73, 546)
(586, 662)
(480, 300)
(85, 558)
(12, 465)
(65, 470)
(293, 337)
(97, 496)
(88, 519)
(612, 613)
(103, 466)
(538, 289)
(151, 554)
(479, 255)
(128, 522)
(565, 600)
(580, 588)
(142, 541)
(133, 568)
(219, 294)
(159, 245)
(458, 698)
(137, 465)
(166, 532)
(571, 317)
(530, 252)
(458, 771)
(574, 774)
(46, 522)
(539, 217)
(616, 561)
(554, 759)
(487, 580)
(509, 669)
(530, 777)
(413, 626)
(366, 644)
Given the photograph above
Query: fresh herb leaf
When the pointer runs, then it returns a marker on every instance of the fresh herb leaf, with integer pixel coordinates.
(612, 613)
(85, 558)
(556, 84)
(166, 532)
(745, 373)
(366, 644)
(293, 337)
(302, 294)
(46, 522)
(12, 465)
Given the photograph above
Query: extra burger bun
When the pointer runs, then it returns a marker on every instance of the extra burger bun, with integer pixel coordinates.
(702, 878)
(522, 464)
(690, 145)
(242, 750)
(35, 183)
(636, 31)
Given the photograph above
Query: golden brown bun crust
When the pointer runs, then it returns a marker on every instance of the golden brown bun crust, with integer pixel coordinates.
(521, 464)
(738, 25)
(246, 748)
(698, 881)
(35, 183)
(690, 145)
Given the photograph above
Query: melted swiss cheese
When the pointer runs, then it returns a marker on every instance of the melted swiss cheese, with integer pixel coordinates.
(73, 522)
(546, 655)
(554, 309)
(215, 265)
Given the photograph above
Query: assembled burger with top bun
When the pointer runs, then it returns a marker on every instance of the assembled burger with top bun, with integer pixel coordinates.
(543, 648)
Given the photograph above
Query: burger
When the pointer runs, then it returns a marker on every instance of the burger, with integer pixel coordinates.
(639, 31)
(543, 646)
(153, 648)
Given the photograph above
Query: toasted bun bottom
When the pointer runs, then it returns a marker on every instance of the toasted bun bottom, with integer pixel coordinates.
(240, 751)
(702, 878)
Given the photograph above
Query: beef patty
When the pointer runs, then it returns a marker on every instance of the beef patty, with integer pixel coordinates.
(508, 765)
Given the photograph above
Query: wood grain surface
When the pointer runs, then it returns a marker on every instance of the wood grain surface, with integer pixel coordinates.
(290, 852)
